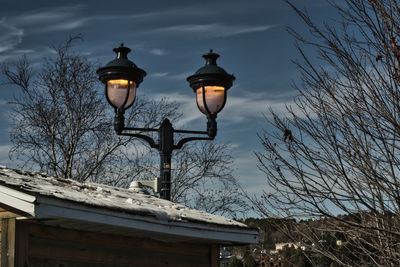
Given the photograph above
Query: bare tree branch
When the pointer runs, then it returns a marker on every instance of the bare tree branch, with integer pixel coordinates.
(343, 154)
(62, 125)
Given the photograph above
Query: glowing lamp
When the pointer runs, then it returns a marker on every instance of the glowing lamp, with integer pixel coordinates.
(210, 99)
(120, 94)
(210, 84)
(121, 78)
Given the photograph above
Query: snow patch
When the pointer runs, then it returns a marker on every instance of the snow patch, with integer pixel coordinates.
(99, 195)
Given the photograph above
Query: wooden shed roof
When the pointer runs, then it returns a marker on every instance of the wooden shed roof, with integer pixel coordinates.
(81, 205)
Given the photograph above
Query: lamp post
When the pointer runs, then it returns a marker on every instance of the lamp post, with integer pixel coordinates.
(210, 84)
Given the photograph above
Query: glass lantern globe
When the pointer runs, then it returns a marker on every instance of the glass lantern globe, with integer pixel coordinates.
(121, 93)
(121, 78)
(210, 99)
(210, 84)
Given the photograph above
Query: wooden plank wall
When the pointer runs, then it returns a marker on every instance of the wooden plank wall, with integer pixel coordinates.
(0, 241)
(7, 250)
(49, 246)
(7, 236)
(4, 213)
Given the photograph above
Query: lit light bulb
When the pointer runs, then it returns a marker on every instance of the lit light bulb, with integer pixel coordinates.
(214, 99)
(117, 92)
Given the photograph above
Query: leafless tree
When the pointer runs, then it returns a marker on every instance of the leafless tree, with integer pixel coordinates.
(336, 151)
(195, 180)
(62, 125)
(203, 177)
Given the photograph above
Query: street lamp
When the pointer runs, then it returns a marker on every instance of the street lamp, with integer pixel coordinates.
(210, 83)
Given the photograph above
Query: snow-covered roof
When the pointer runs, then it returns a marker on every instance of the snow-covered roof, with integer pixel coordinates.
(42, 196)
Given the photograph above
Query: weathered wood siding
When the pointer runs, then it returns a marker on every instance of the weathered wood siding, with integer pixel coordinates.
(7, 236)
(49, 246)
(0, 240)
(7, 248)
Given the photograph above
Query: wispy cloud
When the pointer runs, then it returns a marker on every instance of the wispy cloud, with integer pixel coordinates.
(240, 108)
(145, 47)
(14, 28)
(157, 51)
(187, 107)
(179, 76)
(4, 159)
(211, 30)
(255, 105)
(47, 15)
(10, 36)
(49, 19)
(170, 76)
(63, 26)
(159, 74)
(175, 12)
(24, 51)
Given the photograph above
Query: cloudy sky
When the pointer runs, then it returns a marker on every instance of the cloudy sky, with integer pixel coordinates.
(168, 39)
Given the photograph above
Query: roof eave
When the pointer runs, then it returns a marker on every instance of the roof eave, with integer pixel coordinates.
(43, 207)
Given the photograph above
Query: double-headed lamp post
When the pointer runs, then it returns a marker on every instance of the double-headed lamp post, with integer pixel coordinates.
(210, 83)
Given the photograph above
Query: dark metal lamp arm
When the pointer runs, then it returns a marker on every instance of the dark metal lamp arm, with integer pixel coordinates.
(188, 139)
(148, 139)
(211, 132)
(140, 129)
(165, 144)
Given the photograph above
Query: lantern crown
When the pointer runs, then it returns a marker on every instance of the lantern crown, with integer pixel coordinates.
(211, 74)
(121, 68)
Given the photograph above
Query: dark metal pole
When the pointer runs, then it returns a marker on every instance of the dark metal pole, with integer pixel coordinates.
(165, 176)
(166, 145)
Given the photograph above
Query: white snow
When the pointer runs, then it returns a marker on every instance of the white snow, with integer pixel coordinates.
(114, 198)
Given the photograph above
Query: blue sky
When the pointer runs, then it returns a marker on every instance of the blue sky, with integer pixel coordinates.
(167, 39)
